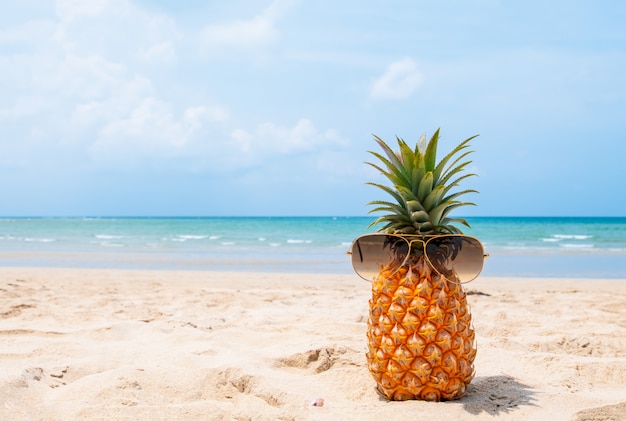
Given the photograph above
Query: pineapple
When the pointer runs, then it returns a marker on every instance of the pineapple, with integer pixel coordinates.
(420, 337)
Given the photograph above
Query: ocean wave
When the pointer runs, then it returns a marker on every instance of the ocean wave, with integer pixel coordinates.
(572, 236)
(193, 237)
(577, 246)
(109, 244)
(516, 244)
(39, 240)
(291, 235)
(181, 238)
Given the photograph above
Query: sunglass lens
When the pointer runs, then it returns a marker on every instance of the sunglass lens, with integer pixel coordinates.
(371, 252)
(456, 257)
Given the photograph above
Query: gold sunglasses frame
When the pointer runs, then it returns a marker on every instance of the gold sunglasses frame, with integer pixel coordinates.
(424, 243)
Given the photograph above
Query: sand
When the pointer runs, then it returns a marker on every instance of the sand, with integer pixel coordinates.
(148, 345)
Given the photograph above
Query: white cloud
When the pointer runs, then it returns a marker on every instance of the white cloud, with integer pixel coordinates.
(150, 117)
(26, 106)
(399, 81)
(120, 99)
(86, 76)
(155, 134)
(98, 98)
(197, 115)
(240, 33)
(81, 71)
(154, 129)
(162, 52)
(269, 138)
(68, 10)
(26, 32)
(259, 30)
(116, 29)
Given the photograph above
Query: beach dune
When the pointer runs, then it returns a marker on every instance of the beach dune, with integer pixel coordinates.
(115, 344)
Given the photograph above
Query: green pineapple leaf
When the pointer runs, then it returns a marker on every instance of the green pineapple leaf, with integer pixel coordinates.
(430, 157)
(423, 189)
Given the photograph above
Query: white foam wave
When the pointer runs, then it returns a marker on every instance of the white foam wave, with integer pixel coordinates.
(577, 246)
(214, 237)
(193, 237)
(39, 240)
(571, 237)
(294, 241)
(108, 237)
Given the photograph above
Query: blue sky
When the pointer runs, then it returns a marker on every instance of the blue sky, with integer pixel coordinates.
(143, 107)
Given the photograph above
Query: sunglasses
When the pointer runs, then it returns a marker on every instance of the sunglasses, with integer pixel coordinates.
(457, 257)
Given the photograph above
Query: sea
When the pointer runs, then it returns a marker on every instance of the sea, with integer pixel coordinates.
(545, 247)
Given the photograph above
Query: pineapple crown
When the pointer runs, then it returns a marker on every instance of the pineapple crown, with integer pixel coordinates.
(421, 187)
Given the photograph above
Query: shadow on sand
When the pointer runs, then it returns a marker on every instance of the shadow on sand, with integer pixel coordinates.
(496, 394)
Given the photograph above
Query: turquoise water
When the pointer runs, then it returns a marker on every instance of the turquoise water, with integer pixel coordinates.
(543, 247)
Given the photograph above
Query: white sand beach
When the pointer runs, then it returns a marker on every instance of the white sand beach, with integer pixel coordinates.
(81, 344)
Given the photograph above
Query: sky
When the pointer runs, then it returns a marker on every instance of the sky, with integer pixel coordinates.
(268, 107)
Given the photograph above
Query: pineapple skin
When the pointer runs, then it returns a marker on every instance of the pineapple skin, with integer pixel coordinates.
(421, 343)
